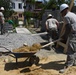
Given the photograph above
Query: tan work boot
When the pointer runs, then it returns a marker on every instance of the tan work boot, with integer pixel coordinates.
(63, 70)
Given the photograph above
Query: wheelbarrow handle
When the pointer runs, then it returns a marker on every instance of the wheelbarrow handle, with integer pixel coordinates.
(5, 48)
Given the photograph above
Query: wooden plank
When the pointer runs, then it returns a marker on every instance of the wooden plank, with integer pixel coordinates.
(71, 4)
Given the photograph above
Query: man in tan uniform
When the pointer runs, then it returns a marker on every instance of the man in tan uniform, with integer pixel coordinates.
(2, 19)
(52, 28)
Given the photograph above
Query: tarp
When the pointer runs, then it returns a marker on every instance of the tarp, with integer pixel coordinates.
(10, 22)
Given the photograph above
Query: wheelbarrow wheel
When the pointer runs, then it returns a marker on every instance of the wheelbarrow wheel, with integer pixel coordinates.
(34, 60)
(31, 61)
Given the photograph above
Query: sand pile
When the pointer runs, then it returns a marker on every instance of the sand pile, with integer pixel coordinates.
(26, 48)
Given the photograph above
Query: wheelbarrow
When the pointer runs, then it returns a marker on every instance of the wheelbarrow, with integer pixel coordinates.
(33, 59)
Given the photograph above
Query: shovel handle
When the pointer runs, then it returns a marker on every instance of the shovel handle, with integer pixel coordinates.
(50, 43)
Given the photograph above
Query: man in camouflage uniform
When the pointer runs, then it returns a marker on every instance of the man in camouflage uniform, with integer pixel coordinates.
(70, 30)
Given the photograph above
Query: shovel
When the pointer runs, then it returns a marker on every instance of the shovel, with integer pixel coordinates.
(45, 44)
(50, 43)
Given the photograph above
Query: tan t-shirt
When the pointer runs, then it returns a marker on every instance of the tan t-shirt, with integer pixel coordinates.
(2, 17)
(52, 23)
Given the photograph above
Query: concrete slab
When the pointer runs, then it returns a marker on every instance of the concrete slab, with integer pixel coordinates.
(22, 30)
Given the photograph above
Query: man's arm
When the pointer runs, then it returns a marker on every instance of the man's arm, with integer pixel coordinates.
(47, 28)
(57, 23)
(0, 19)
(68, 28)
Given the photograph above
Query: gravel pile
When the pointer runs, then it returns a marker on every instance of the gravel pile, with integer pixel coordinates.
(15, 40)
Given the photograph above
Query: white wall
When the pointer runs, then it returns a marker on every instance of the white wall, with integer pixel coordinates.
(16, 6)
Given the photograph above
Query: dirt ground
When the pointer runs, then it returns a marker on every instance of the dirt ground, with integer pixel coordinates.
(47, 66)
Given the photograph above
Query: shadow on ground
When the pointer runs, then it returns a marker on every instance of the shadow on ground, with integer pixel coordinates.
(51, 65)
(56, 65)
(14, 65)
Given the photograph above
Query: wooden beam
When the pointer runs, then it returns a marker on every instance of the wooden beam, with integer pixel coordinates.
(71, 5)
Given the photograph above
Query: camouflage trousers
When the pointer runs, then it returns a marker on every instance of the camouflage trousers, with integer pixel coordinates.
(71, 52)
(51, 36)
(2, 28)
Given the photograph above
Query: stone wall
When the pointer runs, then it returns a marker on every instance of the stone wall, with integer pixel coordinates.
(55, 13)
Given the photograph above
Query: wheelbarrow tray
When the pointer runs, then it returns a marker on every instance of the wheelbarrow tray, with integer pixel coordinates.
(21, 55)
(31, 56)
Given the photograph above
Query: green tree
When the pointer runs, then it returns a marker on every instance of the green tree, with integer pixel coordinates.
(54, 4)
(28, 15)
(6, 5)
(33, 1)
(63, 1)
